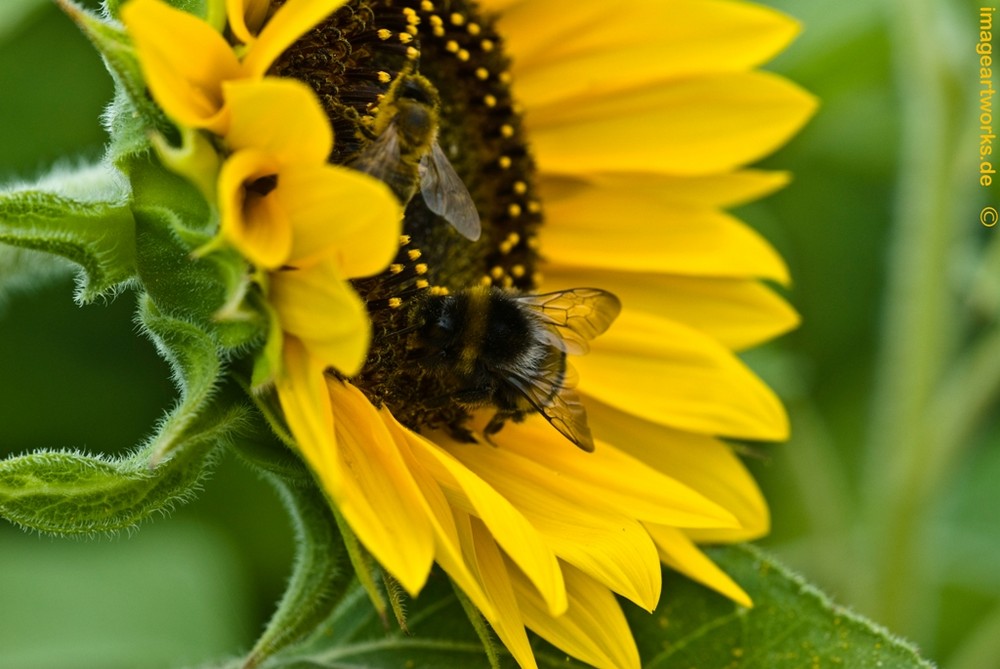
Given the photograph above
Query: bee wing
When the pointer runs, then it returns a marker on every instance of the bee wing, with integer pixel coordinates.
(446, 195)
(381, 157)
(576, 316)
(551, 392)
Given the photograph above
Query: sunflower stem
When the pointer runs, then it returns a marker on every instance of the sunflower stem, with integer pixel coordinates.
(918, 330)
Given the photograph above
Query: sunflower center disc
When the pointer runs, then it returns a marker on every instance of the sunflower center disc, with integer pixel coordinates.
(351, 60)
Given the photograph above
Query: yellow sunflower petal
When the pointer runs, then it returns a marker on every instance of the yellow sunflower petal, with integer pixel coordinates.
(447, 541)
(636, 44)
(709, 190)
(381, 502)
(513, 532)
(338, 212)
(738, 313)
(593, 629)
(582, 530)
(291, 21)
(306, 404)
(493, 572)
(710, 390)
(246, 17)
(604, 230)
(680, 554)
(278, 116)
(701, 462)
(621, 482)
(253, 223)
(185, 62)
(629, 131)
(317, 306)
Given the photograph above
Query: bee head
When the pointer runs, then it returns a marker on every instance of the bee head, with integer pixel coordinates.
(440, 324)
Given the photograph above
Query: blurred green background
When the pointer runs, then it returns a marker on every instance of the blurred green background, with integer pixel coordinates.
(897, 282)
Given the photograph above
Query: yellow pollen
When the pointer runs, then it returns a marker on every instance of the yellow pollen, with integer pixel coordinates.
(517, 271)
(514, 210)
(507, 130)
(482, 73)
(504, 162)
(421, 284)
(508, 282)
(384, 34)
(463, 55)
(384, 77)
(436, 21)
(520, 187)
(404, 240)
(473, 29)
(504, 78)
(395, 268)
(451, 46)
(395, 302)
(457, 19)
(486, 281)
(420, 268)
(537, 278)
(438, 31)
(535, 207)
(405, 38)
(487, 45)
(427, 6)
(438, 290)
(533, 243)
(497, 272)
(413, 254)
(411, 30)
(504, 247)
(514, 238)
(490, 100)
(411, 53)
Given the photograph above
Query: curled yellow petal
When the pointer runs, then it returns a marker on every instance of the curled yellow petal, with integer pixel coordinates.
(680, 554)
(318, 307)
(185, 62)
(251, 216)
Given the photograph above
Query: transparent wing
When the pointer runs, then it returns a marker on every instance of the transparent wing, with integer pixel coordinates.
(446, 195)
(381, 157)
(576, 315)
(551, 392)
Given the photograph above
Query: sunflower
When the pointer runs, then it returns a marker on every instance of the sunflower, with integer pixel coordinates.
(600, 144)
(595, 153)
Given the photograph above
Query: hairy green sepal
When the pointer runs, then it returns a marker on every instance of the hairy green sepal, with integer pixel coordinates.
(99, 236)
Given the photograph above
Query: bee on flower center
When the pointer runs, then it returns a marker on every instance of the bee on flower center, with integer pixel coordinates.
(507, 351)
(406, 152)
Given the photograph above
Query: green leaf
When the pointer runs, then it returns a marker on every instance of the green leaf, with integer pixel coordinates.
(792, 625)
(97, 235)
(72, 493)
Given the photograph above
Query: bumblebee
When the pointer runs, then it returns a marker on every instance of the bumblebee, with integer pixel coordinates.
(405, 153)
(507, 350)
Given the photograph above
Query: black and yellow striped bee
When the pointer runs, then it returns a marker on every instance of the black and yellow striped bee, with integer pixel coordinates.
(507, 350)
(405, 153)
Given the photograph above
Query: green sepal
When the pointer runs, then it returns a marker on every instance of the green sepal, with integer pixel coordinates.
(99, 236)
(212, 290)
(132, 115)
(318, 578)
(69, 493)
(212, 11)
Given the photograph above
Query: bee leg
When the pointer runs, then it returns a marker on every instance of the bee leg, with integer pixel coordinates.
(462, 434)
(495, 425)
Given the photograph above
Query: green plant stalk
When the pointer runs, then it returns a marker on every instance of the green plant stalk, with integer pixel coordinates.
(917, 332)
